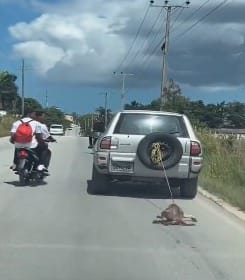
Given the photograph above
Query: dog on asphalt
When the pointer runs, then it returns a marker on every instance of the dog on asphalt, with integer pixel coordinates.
(174, 215)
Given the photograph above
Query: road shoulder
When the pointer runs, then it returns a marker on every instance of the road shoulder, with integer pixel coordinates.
(225, 205)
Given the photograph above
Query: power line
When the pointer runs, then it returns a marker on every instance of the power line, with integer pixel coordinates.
(191, 27)
(193, 13)
(176, 19)
(157, 47)
(149, 54)
(160, 42)
(135, 38)
(201, 19)
(147, 51)
(147, 37)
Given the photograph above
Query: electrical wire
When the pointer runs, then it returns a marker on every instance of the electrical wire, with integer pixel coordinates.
(135, 38)
(201, 19)
(189, 28)
(193, 13)
(141, 47)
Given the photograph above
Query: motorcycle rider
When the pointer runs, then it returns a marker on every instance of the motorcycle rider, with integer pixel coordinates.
(95, 131)
(46, 155)
(36, 144)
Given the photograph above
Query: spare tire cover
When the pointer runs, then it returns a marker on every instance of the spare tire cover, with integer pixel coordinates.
(170, 146)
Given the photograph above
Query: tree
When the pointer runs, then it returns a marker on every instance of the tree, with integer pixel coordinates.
(29, 103)
(154, 105)
(134, 105)
(56, 116)
(8, 91)
(173, 91)
(235, 114)
(101, 114)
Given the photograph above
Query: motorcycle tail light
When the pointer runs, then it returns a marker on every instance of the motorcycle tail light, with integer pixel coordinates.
(22, 154)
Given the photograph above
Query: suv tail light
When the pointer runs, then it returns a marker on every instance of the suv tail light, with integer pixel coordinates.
(22, 154)
(196, 149)
(105, 143)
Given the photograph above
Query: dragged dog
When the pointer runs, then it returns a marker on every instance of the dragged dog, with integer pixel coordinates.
(174, 215)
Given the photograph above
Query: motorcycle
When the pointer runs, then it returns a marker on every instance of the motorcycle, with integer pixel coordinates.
(27, 167)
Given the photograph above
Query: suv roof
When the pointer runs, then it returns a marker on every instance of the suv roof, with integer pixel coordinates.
(151, 112)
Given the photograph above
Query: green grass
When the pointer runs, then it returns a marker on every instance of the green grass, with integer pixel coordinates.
(224, 168)
(5, 125)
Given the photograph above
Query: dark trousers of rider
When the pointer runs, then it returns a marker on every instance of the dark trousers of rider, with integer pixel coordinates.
(90, 138)
(42, 151)
(44, 154)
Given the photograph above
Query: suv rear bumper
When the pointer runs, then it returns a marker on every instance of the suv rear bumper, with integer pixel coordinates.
(131, 166)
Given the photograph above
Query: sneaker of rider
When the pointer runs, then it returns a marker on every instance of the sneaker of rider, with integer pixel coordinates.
(41, 167)
(13, 167)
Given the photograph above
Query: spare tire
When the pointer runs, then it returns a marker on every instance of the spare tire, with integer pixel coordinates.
(171, 150)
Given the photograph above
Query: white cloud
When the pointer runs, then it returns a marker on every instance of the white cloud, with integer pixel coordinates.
(70, 44)
(37, 51)
(83, 42)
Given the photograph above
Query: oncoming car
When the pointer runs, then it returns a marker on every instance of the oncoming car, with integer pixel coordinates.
(138, 144)
(56, 129)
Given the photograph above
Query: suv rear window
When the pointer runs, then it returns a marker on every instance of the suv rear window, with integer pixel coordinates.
(142, 124)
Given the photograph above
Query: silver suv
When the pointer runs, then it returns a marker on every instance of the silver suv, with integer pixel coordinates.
(127, 151)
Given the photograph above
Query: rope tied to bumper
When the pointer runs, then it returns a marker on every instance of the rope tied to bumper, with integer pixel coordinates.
(173, 214)
(157, 158)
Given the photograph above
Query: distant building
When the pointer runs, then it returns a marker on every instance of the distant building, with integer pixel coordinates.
(69, 118)
(237, 133)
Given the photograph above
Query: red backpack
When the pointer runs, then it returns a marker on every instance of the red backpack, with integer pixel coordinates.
(24, 133)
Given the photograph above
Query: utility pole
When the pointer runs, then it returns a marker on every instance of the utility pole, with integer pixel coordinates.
(92, 122)
(23, 69)
(165, 47)
(106, 96)
(23, 87)
(124, 75)
(46, 98)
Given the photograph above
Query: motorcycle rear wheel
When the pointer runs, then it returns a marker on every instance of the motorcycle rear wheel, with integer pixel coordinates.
(23, 179)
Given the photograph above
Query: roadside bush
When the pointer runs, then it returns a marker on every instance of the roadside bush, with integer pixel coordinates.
(5, 125)
(224, 165)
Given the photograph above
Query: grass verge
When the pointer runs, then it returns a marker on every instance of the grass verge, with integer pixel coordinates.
(223, 173)
(5, 125)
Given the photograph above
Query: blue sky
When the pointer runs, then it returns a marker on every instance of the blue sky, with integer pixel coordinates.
(71, 49)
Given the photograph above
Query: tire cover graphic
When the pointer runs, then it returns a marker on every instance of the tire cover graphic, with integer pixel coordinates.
(170, 148)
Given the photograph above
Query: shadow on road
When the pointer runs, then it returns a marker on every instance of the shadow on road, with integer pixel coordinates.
(17, 184)
(138, 190)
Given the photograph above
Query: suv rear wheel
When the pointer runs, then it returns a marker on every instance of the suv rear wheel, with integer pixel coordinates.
(188, 188)
(100, 183)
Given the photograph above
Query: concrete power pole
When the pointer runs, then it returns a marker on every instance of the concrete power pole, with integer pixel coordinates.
(23, 87)
(106, 96)
(165, 47)
(124, 75)
(23, 69)
(46, 98)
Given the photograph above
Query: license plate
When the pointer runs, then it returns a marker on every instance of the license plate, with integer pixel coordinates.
(122, 166)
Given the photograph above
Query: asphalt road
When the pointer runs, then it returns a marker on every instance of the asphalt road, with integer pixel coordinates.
(59, 231)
